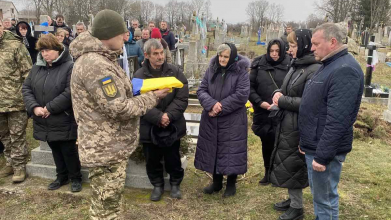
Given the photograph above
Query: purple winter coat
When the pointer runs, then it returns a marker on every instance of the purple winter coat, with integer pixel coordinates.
(222, 140)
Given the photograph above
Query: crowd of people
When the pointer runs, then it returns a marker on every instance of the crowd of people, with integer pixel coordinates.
(306, 91)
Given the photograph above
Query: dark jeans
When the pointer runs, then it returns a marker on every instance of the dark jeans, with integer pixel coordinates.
(267, 150)
(66, 158)
(172, 162)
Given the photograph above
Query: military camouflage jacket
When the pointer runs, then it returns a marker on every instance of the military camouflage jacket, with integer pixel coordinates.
(107, 113)
(15, 64)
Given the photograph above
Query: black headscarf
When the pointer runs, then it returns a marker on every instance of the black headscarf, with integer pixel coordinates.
(303, 37)
(281, 54)
(233, 57)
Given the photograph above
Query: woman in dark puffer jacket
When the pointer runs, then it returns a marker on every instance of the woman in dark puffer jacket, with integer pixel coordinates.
(47, 97)
(267, 74)
(288, 167)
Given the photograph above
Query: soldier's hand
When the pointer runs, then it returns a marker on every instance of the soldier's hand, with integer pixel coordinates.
(161, 93)
(39, 111)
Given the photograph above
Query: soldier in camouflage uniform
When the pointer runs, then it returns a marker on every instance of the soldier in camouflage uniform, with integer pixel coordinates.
(107, 113)
(15, 63)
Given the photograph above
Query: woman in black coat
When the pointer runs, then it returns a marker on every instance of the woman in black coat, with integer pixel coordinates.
(47, 97)
(267, 74)
(222, 140)
(288, 167)
(23, 30)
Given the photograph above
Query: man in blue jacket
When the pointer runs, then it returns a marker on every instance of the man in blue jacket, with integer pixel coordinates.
(167, 35)
(328, 109)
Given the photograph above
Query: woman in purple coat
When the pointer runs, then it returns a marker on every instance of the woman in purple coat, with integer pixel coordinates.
(222, 141)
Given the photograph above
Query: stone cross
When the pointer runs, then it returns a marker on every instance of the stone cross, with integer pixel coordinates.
(39, 29)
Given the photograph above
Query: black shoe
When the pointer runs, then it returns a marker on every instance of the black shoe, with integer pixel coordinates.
(157, 193)
(175, 192)
(283, 206)
(76, 186)
(230, 190)
(265, 180)
(216, 186)
(292, 214)
(56, 184)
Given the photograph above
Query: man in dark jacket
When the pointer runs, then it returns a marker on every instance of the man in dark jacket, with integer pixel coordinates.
(167, 35)
(284, 37)
(328, 110)
(162, 127)
(60, 23)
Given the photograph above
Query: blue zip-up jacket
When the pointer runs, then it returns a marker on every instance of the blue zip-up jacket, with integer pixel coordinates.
(329, 107)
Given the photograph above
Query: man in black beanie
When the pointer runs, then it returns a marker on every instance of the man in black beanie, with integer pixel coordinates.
(107, 113)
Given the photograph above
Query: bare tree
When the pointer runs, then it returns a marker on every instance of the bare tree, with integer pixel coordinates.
(159, 14)
(257, 12)
(336, 9)
(197, 5)
(314, 20)
(147, 11)
(207, 10)
(171, 10)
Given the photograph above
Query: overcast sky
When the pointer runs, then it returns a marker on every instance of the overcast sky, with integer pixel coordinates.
(234, 11)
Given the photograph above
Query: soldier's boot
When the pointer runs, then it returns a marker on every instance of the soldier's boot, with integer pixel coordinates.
(19, 175)
(157, 193)
(6, 171)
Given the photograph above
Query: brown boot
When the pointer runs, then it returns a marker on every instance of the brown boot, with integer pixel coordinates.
(19, 175)
(6, 171)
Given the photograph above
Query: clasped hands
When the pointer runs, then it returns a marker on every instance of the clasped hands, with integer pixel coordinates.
(164, 121)
(217, 108)
(276, 97)
(41, 112)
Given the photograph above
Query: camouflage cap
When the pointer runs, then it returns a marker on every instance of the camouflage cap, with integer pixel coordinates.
(108, 24)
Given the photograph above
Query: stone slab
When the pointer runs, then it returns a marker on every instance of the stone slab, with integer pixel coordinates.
(44, 146)
(192, 131)
(133, 178)
(192, 117)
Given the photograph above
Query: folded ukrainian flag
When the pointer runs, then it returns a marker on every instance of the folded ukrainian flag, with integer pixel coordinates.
(141, 86)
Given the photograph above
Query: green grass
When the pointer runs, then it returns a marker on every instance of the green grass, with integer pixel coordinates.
(364, 188)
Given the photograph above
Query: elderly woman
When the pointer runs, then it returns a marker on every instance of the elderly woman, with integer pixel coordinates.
(267, 74)
(222, 141)
(47, 97)
(288, 166)
(23, 29)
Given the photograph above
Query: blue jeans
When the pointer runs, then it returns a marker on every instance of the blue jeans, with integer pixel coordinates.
(324, 187)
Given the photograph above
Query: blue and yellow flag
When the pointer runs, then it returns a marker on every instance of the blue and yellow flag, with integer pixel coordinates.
(141, 86)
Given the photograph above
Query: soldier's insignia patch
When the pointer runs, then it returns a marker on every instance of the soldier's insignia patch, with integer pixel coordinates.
(109, 87)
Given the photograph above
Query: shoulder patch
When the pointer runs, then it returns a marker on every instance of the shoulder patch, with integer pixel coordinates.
(109, 88)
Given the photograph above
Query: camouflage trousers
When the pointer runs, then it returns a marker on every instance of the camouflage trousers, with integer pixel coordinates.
(13, 136)
(107, 185)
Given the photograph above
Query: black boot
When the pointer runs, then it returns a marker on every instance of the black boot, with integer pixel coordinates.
(265, 180)
(292, 214)
(282, 206)
(175, 192)
(231, 186)
(157, 193)
(216, 186)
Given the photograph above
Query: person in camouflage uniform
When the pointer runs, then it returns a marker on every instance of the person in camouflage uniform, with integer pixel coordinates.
(107, 113)
(15, 63)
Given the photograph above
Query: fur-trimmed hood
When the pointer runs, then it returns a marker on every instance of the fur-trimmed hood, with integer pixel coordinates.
(242, 64)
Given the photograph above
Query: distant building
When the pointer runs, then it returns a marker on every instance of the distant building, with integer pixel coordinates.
(8, 10)
(27, 18)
